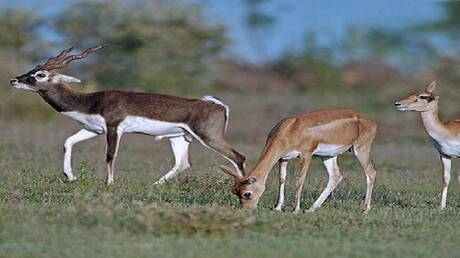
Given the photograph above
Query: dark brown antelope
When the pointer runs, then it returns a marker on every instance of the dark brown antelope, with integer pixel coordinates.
(324, 133)
(116, 112)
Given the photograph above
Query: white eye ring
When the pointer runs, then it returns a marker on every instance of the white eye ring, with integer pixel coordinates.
(40, 75)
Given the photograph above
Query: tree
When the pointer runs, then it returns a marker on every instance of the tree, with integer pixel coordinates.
(17, 28)
(449, 24)
(152, 45)
(20, 34)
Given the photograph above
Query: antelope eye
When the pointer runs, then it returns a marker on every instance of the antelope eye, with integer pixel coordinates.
(423, 97)
(40, 75)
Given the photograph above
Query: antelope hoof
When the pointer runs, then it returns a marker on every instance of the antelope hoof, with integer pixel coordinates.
(295, 211)
(311, 210)
(277, 208)
(72, 179)
(366, 211)
(109, 181)
(159, 183)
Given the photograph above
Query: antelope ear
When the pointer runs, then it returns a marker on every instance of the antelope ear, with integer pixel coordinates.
(431, 87)
(230, 171)
(65, 78)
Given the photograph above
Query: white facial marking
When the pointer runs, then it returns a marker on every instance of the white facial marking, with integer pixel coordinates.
(23, 86)
(93, 123)
(42, 76)
(402, 108)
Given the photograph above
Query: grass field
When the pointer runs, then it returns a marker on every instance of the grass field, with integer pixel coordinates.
(195, 215)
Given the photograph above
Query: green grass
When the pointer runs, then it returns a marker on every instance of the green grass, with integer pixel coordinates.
(43, 217)
(195, 215)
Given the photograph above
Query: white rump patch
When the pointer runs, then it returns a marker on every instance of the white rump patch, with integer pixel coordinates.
(219, 102)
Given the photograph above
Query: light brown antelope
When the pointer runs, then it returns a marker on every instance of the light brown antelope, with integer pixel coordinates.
(116, 112)
(324, 133)
(445, 135)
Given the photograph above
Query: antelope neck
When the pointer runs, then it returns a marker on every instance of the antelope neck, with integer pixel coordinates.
(433, 125)
(265, 163)
(64, 99)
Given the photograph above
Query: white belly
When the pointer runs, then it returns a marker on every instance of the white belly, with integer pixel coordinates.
(136, 124)
(450, 148)
(291, 155)
(330, 150)
(93, 123)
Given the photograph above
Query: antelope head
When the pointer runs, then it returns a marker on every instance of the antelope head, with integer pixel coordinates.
(421, 101)
(42, 76)
(247, 188)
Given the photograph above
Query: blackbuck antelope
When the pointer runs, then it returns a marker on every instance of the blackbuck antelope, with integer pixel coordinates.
(445, 135)
(325, 133)
(116, 112)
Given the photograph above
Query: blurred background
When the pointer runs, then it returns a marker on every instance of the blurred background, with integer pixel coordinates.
(266, 58)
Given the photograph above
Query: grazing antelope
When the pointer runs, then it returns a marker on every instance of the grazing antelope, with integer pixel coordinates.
(324, 133)
(445, 135)
(116, 112)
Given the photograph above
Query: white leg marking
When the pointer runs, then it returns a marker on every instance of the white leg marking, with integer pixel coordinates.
(370, 178)
(334, 179)
(446, 165)
(111, 164)
(179, 147)
(69, 142)
(282, 181)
